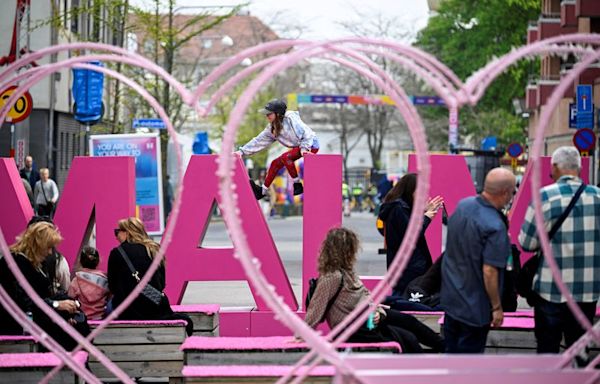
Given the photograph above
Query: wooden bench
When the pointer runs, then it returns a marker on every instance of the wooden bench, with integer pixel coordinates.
(32, 367)
(233, 374)
(17, 344)
(272, 350)
(142, 348)
(204, 316)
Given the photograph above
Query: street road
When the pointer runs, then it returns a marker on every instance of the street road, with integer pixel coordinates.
(287, 234)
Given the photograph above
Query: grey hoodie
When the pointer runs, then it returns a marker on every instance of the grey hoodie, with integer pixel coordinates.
(295, 133)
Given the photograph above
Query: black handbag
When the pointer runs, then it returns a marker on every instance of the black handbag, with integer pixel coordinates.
(530, 268)
(149, 292)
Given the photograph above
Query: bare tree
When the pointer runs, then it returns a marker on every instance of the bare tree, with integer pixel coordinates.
(379, 121)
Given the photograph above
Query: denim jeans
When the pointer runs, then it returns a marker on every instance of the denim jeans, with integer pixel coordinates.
(464, 338)
(553, 320)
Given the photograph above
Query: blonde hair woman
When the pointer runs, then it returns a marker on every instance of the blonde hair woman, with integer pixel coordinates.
(30, 251)
(137, 248)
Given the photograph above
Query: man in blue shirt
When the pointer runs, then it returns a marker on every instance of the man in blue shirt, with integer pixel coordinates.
(576, 249)
(477, 250)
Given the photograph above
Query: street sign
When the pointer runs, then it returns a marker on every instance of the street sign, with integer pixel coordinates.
(584, 98)
(514, 150)
(585, 107)
(149, 123)
(572, 115)
(584, 140)
(21, 109)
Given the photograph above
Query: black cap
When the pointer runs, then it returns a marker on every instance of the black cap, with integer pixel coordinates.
(274, 106)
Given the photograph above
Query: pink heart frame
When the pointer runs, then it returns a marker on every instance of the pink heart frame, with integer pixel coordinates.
(440, 78)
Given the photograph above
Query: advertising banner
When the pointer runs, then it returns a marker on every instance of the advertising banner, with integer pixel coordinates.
(145, 148)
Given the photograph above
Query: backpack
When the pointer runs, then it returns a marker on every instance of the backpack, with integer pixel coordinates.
(312, 286)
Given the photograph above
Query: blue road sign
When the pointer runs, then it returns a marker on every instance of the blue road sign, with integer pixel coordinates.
(149, 123)
(585, 107)
(584, 99)
(572, 115)
(584, 139)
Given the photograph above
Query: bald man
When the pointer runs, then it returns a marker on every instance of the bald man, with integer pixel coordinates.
(477, 250)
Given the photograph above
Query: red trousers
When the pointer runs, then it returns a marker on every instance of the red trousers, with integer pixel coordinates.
(287, 160)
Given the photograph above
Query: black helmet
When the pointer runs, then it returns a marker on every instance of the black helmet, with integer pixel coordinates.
(274, 106)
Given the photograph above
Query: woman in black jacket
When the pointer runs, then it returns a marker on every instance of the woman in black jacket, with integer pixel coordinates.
(140, 250)
(395, 214)
(30, 251)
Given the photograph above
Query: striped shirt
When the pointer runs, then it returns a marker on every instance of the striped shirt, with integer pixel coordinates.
(576, 244)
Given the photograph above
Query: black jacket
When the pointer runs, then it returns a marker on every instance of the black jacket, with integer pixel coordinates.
(41, 284)
(396, 215)
(121, 283)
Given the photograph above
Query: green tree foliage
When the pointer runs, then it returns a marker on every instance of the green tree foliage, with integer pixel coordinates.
(466, 35)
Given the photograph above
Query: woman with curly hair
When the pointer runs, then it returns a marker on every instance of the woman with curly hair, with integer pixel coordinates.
(139, 249)
(339, 291)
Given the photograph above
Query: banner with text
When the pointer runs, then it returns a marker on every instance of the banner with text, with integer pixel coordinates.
(145, 148)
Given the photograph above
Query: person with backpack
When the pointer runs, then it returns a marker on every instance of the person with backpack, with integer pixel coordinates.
(571, 211)
(339, 290)
(289, 130)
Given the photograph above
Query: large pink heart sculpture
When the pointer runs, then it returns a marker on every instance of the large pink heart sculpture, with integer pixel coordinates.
(352, 53)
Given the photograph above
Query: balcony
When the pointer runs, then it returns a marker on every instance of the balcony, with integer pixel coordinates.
(589, 75)
(551, 26)
(587, 8)
(567, 13)
(531, 97)
(545, 87)
(532, 34)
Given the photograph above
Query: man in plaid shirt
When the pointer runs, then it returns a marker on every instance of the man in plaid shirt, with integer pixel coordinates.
(576, 248)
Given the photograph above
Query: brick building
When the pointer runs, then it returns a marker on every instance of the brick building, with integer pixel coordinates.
(558, 18)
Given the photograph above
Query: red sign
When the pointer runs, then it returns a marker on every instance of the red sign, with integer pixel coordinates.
(584, 139)
(20, 109)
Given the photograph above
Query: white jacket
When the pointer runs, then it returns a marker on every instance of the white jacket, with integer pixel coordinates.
(295, 133)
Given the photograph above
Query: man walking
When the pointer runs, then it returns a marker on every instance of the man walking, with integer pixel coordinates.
(576, 249)
(477, 250)
(29, 172)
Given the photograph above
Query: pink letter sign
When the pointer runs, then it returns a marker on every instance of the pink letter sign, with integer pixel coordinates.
(15, 209)
(97, 189)
(450, 178)
(322, 209)
(100, 189)
(186, 261)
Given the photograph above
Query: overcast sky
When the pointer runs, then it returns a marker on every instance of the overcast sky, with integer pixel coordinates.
(320, 18)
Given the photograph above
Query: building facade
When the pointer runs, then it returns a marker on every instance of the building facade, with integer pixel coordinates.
(559, 18)
(51, 135)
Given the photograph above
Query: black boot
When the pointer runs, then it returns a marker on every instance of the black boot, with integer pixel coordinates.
(298, 188)
(258, 191)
